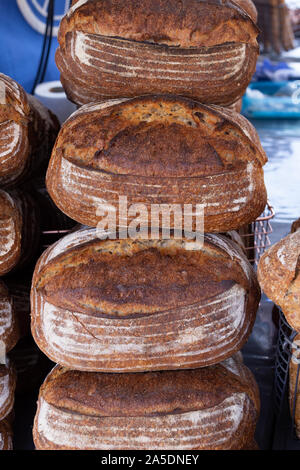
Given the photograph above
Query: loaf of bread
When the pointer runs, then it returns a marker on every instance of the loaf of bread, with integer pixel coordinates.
(137, 305)
(27, 133)
(158, 150)
(6, 441)
(212, 408)
(206, 50)
(279, 276)
(18, 286)
(7, 388)
(294, 399)
(9, 328)
(19, 230)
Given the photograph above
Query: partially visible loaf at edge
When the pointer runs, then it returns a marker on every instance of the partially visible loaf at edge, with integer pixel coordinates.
(136, 305)
(279, 276)
(9, 326)
(27, 133)
(6, 435)
(19, 230)
(7, 388)
(158, 150)
(203, 50)
(212, 408)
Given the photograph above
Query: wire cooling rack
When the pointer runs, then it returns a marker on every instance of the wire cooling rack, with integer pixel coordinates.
(255, 236)
(286, 351)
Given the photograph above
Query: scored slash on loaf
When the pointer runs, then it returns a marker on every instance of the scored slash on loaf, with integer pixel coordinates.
(158, 150)
(206, 50)
(136, 305)
(87, 411)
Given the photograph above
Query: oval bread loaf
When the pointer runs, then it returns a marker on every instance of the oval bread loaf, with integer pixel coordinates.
(27, 133)
(279, 276)
(19, 230)
(206, 50)
(136, 305)
(9, 326)
(158, 150)
(6, 438)
(7, 388)
(212, 408)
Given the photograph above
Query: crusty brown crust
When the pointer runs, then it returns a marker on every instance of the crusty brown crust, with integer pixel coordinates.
(10, 232)
(6, 441)
(135, 305)
(111, 49)
(28, 131)
(9, 327)
(279, 276)
(7, 388)
(19, 230)
(160, 404)
(148, 150)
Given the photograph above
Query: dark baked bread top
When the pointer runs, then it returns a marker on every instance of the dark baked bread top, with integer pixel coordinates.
(124, 278)
(184, 23)
(163, 136)
(150, 393)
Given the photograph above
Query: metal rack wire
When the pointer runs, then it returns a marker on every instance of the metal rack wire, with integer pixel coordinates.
(286, 350)
(256, 235)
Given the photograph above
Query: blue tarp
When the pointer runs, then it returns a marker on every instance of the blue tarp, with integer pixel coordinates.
(21, 45)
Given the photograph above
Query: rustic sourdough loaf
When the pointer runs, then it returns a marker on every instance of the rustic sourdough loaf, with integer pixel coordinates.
(136, 305)
(279, 276)
(6, 438)
(158, 150)
(19, 230)
(7, 388)
(9, 327)
(27, 133)
(211, 408)
(206, 50)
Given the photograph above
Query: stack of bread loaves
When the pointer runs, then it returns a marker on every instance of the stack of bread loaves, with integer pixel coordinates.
(146, 331)
(27, 134)
(279, 277)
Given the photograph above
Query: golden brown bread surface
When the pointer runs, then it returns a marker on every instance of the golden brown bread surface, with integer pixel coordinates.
(9, 327)
(217, 410)
(27, 133)
(6, 442)
(204, 50)
(135, 305)
(7, 388)
(19, 229)
(279, 276)
(159, 150)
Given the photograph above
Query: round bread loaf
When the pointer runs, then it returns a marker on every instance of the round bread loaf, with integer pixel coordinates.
(279, 276)
(212, 408)
(158, 150)
(7, 388)
(137, 305)
(9, 327)
(27, 133)
(206, 50)
(6, 440)
(19, 230)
